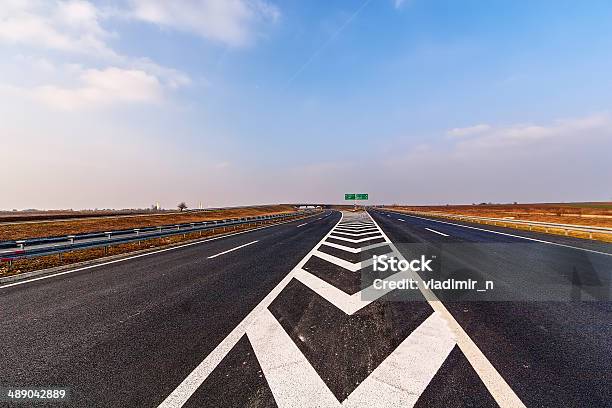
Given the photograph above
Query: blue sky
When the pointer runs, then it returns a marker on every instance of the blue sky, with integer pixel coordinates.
(230, 102)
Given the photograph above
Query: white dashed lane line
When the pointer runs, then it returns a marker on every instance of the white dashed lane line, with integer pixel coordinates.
(231, 250)
(437, 232)
(399, 219)
(301, 225)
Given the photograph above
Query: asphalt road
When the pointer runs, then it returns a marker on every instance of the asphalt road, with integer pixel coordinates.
(286, 316)
(125, 334)
(554, 347)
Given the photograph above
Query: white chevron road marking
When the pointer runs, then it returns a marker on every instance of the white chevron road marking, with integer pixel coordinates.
(495, 383)
(355, 229)
(293, 381)
(356, 234)
(356, 241)
(397, 382)
(349, 304)
(354, 250)
(353, 267)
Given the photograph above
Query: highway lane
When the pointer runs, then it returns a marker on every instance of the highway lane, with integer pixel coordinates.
(324, 338)
(125, 334)
(551, 353)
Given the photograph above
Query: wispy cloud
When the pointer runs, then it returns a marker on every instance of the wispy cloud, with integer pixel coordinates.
(232, 22)
(554, 161)
(522, 136)
(468, 131)
(71, 26)
(99, 88)
(398, 3)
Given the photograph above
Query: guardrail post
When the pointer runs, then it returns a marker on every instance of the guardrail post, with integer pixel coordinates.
(21, 244)
(71, 239)
(137, 231)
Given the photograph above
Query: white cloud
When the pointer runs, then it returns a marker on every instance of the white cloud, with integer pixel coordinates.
(470, 130)
(59, 31)
(98, 88)
(71, 26)
(522, 136)
(227, 21)
(55, 33)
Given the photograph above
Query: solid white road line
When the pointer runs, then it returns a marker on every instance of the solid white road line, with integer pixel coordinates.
(513, 235)
(437, 232)
(232, 250)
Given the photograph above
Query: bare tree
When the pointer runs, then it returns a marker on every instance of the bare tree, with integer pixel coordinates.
(182, 206)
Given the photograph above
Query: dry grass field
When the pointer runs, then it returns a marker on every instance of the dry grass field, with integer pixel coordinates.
(40, 215)
(587, 214)
(59, 227)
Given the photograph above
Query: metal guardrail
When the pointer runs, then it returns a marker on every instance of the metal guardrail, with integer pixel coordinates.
(501, 221)
(36, 247)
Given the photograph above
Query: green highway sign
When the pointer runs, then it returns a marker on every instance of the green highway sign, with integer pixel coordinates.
(350, 196)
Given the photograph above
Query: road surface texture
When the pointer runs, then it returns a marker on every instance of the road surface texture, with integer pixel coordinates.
(288, 316)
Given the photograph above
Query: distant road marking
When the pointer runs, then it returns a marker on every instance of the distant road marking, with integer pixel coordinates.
(301, 225)
(437, 232)
(515, 236)
(399, 219)
(231, 250)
